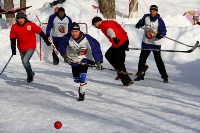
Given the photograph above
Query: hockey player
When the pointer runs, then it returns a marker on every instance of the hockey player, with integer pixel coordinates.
(24, 32)
(77, 48)
(60, 23)
(154, 30)
(116, 53)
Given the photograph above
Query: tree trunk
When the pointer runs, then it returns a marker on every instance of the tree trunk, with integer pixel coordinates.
(133, 8)
(107, 8)
(10, 18)
(23, 4)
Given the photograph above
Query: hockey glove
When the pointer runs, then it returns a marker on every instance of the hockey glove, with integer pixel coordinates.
(116, 41)
(13, 51)
(159, 36)
(99, 66)
(137, 26)
(13, 46)
(45, 38)
(47, 35)
(48, 43)
(67, 59)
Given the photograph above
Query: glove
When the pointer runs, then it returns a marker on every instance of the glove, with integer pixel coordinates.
(45, 38)
(67, 59)
(99, 66)
(13, 51)
(13, 45)
(137, 25)
(116, 41)
(48, 43)
(159, 36)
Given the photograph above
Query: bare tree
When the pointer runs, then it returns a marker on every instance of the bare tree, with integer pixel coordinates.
(133, 8)
(107, 8)
(10, 18)
(23, 4)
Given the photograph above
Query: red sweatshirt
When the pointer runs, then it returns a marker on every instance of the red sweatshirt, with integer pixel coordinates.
(25, 35)
(119, 32)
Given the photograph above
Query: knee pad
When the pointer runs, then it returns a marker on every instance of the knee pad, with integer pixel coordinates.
(76, 80)
(82, 77)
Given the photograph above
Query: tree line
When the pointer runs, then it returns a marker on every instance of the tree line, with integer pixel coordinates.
(106, 7)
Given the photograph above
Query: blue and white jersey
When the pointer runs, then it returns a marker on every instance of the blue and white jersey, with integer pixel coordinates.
(151, 27)
(86, 49)
(59, 26)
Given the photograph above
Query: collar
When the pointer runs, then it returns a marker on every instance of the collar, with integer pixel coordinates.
(153, 19)
(80, 38)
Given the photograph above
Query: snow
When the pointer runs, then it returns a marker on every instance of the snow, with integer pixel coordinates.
(148, 106)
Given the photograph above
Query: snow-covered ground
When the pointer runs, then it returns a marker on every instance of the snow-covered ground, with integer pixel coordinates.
(148, 106)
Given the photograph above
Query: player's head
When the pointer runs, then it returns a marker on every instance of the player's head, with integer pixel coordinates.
(153, 10)
(21, 17)
(96, 21)
(75, 30)
(61, 12)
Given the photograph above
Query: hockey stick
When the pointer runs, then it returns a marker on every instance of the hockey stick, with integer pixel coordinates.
(54, 47)
(6, 65)
(110, 69)
(122, 72)
(173, 39)
(177, 41)
(118, 71)
(187, 51)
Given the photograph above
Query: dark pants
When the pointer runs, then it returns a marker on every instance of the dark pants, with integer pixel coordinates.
(55, 57)
(116, 57)
(25, 57)
(79, 73)
(159, 62)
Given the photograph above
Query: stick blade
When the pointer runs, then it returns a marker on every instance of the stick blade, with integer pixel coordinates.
(194, 47)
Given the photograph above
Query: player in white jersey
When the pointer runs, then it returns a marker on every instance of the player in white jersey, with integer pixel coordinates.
(60, 25)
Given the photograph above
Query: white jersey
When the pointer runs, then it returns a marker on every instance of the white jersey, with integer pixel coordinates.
(60, 27)
(79, 51)
(150, 27)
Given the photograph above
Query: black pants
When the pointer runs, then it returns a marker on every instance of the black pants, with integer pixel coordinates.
(116, 57)
(79, 73)
(55, 57)
(159, 62)
(76, 70)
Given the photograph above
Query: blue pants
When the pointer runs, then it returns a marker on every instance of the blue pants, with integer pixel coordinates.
(25, 57)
